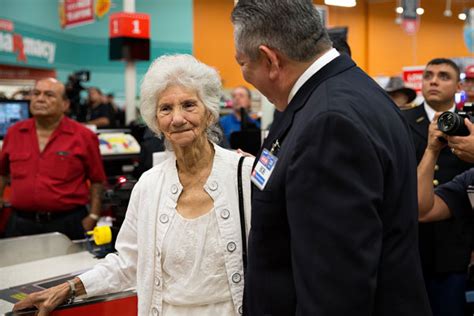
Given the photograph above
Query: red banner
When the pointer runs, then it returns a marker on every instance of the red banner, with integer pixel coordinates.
(76, 12)
(413, 77)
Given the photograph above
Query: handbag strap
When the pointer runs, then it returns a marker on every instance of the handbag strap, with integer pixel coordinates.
(242, 213)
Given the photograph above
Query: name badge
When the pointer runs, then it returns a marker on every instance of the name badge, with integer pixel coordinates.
(264, 168)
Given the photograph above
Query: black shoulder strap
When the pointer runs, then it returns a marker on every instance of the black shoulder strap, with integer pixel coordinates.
(242, 212)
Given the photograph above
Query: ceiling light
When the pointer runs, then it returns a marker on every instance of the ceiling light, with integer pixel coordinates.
(447, 12)
(399, 10)
(462, 16)
(420, 11)
(341, 3)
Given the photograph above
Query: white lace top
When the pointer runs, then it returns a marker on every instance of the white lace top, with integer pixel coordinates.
(194, 275)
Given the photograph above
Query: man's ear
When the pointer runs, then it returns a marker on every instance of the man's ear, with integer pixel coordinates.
(272, 60)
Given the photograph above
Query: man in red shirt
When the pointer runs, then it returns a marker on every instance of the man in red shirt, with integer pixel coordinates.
(50, 160)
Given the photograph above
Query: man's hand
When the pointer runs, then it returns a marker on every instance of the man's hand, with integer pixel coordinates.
(463, 146)
(434, 136)
(45, 301)
(88, 223)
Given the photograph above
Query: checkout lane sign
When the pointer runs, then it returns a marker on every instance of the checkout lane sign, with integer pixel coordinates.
(24, 46)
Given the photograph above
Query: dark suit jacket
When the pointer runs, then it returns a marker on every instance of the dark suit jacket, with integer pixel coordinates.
(334, 232)
(445, 246)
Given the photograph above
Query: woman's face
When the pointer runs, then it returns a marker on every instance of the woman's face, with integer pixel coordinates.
(181, 116)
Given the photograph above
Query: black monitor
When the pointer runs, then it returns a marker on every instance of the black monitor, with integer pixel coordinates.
(12, 111)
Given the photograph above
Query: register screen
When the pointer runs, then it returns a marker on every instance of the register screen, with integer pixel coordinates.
(12, 111)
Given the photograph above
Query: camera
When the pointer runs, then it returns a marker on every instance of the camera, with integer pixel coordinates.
(452, 123)
(73, 92)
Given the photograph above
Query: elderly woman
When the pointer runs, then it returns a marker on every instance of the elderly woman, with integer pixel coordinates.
(180, 244)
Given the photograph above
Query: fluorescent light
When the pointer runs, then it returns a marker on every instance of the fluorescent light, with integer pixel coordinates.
(341, 3)
(399, 10)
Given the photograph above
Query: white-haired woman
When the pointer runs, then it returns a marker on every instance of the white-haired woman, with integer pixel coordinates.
(180, 243)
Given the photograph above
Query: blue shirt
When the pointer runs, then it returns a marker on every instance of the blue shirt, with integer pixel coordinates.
(230, 124)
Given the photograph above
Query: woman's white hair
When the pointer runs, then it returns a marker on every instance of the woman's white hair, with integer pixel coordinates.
(185, 71)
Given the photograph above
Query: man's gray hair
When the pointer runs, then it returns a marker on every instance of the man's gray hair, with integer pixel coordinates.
(293, 27)
(184, 71)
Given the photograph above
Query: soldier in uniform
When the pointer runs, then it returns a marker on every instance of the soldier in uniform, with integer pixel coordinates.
(445, 246)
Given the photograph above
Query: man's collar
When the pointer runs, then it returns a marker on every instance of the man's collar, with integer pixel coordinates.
(430, 112)
(64, 125)
(319, 63)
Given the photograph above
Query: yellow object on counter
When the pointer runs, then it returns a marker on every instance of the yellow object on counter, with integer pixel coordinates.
(102, 235)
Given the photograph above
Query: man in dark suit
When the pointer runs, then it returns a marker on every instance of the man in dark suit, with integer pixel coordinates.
(334, 206)
(445, 246)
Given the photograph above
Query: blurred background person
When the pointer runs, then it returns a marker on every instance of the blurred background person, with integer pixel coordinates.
(400, 94)
(468, 83)
(99, 113)
(241, 99)
(118, 112)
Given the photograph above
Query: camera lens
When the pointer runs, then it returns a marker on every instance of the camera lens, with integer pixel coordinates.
(452, 124)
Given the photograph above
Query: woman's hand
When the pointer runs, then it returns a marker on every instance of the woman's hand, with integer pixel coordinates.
(45, 301)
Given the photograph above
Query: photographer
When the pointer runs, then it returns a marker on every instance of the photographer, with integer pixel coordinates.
(445, 246)
(449, 199)
(99, 113)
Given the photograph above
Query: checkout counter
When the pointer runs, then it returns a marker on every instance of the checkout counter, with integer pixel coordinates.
(32, 263)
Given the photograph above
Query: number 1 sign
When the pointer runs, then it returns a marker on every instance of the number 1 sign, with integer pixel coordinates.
(125, 24)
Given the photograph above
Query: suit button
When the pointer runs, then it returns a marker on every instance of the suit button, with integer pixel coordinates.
(213, 186)
(164, 218)
(225, 213)
(231, 246)
(236, 277)
(174, 189)
(436, 167)
(157, 281)
(435, 182)
(154, 311)
(241, 311)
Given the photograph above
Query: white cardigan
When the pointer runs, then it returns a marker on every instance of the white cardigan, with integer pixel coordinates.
(151, 208)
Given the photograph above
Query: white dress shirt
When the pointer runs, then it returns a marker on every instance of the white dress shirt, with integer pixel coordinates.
(322, 61)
